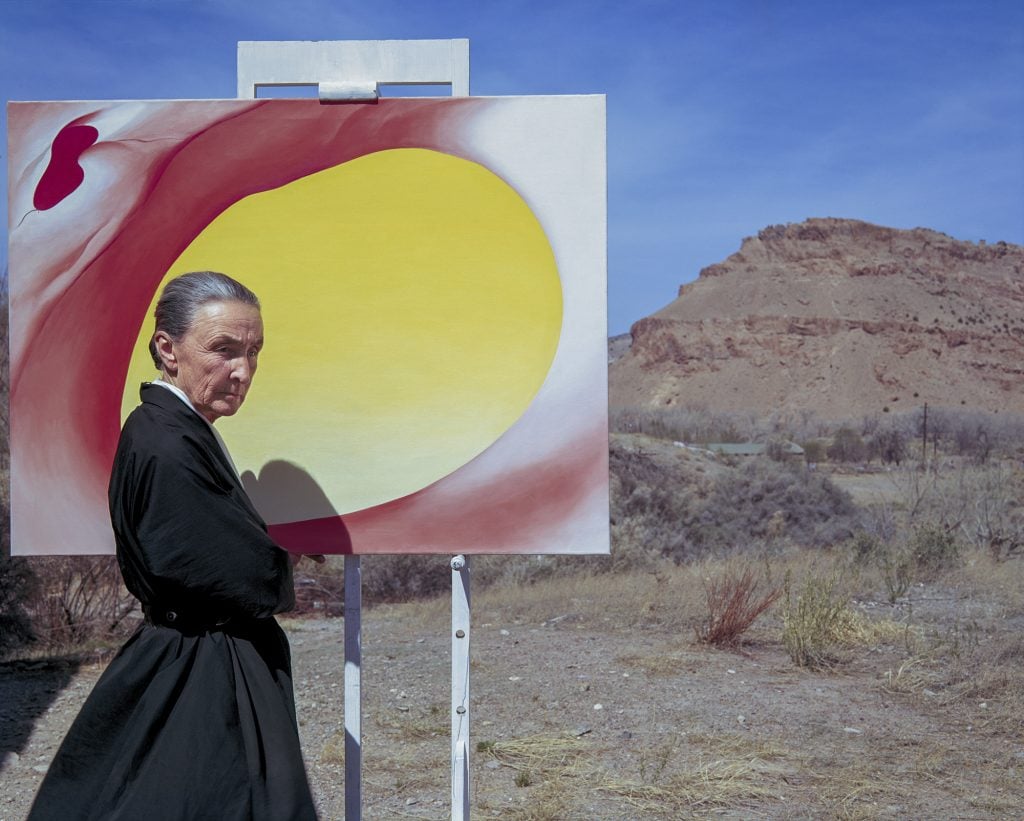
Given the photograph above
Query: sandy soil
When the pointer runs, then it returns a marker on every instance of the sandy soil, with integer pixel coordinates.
(576, 718)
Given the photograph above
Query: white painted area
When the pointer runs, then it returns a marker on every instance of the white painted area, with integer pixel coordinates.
(345, 92)
(552, 151)
(390, 62)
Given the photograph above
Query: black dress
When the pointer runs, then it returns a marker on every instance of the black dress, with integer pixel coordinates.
(195, 717)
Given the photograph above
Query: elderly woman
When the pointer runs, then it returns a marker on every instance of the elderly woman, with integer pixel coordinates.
(195, 717)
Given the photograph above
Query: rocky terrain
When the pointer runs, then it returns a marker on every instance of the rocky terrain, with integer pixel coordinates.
(839, 317)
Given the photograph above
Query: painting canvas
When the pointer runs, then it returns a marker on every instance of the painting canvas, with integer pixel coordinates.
(432, 275)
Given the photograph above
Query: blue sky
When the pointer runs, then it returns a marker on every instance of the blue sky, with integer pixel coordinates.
(723, 117)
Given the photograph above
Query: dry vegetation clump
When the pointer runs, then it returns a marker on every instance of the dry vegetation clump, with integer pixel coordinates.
(700, 773)
(655, 497)
(690, 425)
(684, 504)
(933, 549)
(762, 500)
(18, 584)
(678, 776)
(959, 666)
(979, 506)
(76, 603)
(387, 578)
(711, 785)
(536, 754)
(817, 622)
(999, 581)
(549, 764)
(733, 605)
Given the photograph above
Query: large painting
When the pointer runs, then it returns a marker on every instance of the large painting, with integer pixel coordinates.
(432, 275)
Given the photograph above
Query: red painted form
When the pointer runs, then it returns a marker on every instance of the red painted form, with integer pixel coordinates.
(64, 173)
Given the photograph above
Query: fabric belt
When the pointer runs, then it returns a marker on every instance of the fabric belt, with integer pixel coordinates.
(185, 620)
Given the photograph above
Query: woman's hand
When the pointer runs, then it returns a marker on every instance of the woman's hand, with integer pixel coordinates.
(319, 558)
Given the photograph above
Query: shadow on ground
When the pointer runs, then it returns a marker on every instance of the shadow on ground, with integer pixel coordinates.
(27, 689)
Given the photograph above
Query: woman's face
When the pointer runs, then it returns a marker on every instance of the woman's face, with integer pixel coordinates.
(215, 360)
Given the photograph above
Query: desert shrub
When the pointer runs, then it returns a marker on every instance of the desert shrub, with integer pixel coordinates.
(734, 603)
(320, 588)
(79, 600)
(17, 586)
(652, 507)
(980, 505)
(847, 446)
(894, 562)
(777, 449)
(763, 500)
(404, 577)
(933, 548)
(888, 443)
(387, 579)
(990, 511)
(975, 434)
(864, 546)
(958, 666)
(815, 622)
(686, 424)
(815, 451)
(629, 553)
(398, 578)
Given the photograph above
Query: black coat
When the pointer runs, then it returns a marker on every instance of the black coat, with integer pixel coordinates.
(195, 716)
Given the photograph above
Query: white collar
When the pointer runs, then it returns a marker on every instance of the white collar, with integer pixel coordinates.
(181, 395)
(216, 433)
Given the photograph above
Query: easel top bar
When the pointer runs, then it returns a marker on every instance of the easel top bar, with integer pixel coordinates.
(310, 62)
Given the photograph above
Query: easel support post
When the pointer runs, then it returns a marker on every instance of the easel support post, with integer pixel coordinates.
(460, 688)
(353, 689)
(349, 71)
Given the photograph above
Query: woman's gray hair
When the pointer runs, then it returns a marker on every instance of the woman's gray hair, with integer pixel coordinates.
(183, 296)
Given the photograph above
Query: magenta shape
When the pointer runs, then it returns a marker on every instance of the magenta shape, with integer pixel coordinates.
(63, 175)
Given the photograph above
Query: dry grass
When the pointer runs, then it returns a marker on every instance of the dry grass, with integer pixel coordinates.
(709, 786)
(957, 670)
(539, 753)
(999, 581)
(566, 782)
(415, 724)
(334, 750)
(855, 792)
(816, 622)
(702, 773)
(667, 598)
(547, 767)
(666, 662)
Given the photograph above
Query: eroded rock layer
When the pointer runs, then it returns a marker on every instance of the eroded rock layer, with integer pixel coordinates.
(840, 317)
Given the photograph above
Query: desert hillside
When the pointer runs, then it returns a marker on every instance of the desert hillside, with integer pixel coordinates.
(839, 317)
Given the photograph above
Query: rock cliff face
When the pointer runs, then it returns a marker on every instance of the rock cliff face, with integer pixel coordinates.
(840, 317)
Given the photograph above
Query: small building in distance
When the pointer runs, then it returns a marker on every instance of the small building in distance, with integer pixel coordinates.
(790, 450)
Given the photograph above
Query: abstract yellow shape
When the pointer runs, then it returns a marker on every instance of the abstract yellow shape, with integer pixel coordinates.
(412, 309)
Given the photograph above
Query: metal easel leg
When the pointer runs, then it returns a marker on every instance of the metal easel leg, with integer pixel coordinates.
(353, 689)
(460, 688)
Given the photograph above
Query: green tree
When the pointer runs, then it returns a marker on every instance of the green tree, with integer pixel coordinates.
(847, 446)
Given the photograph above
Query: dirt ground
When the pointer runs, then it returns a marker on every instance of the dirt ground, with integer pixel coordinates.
(577, 717)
